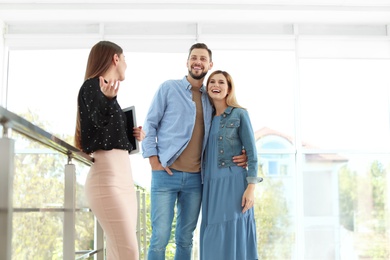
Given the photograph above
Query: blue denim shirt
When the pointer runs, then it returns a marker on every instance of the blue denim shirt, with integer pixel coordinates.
(236, 133)
(170, 121)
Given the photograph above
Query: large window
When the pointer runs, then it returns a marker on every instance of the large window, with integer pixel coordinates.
(345, 103)
(321, 121)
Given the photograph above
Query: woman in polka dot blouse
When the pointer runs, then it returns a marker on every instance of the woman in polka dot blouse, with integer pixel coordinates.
(101, 131)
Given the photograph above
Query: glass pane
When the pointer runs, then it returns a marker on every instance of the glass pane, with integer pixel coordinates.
(39, 176)
(39, 186)
(345, 104)
(341, 47)
(364, 196)
(268, 96)
(85, 224)
(37, 235)
(275, 209)
(51, 95)
(345, 212)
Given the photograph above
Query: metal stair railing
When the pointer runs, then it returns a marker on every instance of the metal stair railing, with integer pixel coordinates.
(9, 120)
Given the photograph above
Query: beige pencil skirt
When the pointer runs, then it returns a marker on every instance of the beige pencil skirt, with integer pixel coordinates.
(111, 196)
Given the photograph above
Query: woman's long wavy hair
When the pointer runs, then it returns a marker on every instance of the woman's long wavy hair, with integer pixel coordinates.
(231, 99)
(99, 61)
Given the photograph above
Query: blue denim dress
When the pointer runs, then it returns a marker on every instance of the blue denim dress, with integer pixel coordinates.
(226, 233)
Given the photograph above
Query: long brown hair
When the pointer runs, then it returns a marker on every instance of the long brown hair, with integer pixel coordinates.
(99, 61)
(231, 99)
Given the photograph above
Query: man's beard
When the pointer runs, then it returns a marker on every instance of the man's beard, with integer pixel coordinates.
(201, 76)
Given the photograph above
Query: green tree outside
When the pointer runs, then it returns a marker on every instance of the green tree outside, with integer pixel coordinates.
(368, 224)
(274, 228)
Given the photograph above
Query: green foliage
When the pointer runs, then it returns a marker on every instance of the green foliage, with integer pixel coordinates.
(379, 187)
(274, 229)
(368, 228)
(347, 197)
(39, 183)
(378, 246)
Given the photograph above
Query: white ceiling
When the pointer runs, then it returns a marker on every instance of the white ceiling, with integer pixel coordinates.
(259, 11)
(174, 25)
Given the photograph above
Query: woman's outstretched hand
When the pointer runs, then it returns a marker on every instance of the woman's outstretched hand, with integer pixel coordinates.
(110, 88)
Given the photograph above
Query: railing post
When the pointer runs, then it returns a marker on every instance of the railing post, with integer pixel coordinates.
(69, 211)
(138, 220)
(7, 153)
(99, 241)
(144, 211)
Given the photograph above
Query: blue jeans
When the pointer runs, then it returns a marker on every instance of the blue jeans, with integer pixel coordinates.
(182, 188)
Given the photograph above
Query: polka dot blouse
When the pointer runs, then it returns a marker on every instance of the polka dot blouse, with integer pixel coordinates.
(102, 121)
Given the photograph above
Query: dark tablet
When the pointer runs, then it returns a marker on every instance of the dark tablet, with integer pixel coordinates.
(131, 122)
